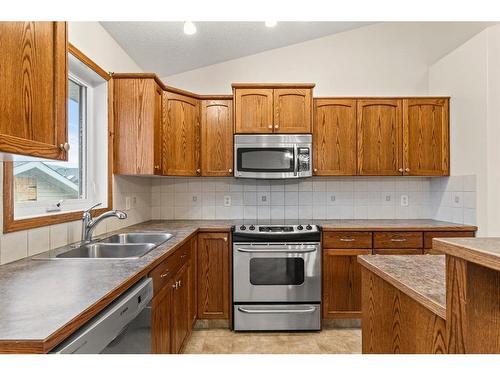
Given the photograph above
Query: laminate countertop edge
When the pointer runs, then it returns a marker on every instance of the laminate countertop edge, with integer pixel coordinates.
(422, 299)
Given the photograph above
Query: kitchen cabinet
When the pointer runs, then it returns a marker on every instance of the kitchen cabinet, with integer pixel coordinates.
(172, 316)
(181, 135)
(342, 283)
(192, 282)
(213, 276)
(334, 137)
(138, 126)
(217, 138)
(33, 83)
(379, 137)
(282, 108)
(426, 137)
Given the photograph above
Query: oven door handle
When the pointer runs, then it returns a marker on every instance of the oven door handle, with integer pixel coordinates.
(306, 249)
(277, 311)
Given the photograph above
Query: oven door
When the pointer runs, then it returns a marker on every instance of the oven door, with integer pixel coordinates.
(276, 272)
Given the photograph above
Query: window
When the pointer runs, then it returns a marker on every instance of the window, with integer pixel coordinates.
(49, 188)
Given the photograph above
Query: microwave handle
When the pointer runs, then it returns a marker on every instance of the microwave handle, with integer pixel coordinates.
(295, 161)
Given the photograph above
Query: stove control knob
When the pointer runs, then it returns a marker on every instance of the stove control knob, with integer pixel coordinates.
(251, 227)
(243, 227)
(300, 227)
(309, 227)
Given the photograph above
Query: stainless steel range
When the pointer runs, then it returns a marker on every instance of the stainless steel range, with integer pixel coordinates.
(276, 277)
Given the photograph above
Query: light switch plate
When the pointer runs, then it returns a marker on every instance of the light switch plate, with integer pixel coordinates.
(128, 203)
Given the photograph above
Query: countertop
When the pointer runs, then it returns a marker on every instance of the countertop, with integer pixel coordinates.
(423, 278)
(44, 301)
(482, 251)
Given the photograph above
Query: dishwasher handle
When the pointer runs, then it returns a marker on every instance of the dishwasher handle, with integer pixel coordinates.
(94, 336)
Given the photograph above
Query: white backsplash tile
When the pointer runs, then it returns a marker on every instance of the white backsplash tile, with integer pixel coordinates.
(14, 246)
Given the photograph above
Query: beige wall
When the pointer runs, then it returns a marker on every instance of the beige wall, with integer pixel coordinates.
(96, 43)
(471, 76)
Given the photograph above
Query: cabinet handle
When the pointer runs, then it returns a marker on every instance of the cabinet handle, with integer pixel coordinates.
(347, 239)
(269, 126)
(401, 170)
(180, 283)
(225, 239)
(230, 170)
(183, 256)
(276, 126)
(174, 286)
(398, 239)
(163, 275)
(157, 167)
(407, 169)
(315, 169)
(64, 147)
(198, 171)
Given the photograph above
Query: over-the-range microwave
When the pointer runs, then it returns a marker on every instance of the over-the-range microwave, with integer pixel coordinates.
(273, 156)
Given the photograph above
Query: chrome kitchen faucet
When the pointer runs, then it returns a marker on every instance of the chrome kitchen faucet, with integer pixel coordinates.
(89, 223)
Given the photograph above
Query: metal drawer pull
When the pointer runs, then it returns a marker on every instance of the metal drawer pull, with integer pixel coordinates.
(347, 239)
(277, 311)
(163, 275)
(183, 256)
(307, 249)
(398, 239)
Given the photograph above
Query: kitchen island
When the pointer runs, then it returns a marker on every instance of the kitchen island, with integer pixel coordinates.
(433, 304)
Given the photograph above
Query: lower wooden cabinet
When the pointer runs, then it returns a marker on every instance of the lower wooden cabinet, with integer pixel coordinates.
(342, 283)
(213, 275)
(172, 307)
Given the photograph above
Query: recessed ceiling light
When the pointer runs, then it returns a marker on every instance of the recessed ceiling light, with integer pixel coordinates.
(271, 23)
(189, 28)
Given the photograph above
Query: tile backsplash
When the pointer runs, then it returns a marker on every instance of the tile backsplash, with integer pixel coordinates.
(313, 198)
(454, 199)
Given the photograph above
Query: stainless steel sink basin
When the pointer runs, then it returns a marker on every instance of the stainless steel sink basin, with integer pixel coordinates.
(133, 238)
(107, 251)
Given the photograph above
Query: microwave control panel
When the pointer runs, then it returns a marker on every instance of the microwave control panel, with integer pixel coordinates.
(303, 159)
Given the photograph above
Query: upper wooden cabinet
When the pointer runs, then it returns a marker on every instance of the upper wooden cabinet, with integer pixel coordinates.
(379, 137)
(217, 138)
(426, 137)
(181, 135)
(334, 137)
(272, 108)
(138, 126)
(33, 87)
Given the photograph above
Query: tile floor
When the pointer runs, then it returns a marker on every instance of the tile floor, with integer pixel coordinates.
(224, 341)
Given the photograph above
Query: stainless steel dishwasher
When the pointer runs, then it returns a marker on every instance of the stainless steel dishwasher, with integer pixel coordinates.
(124, 327)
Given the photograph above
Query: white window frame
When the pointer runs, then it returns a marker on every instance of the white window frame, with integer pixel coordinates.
(94, 144)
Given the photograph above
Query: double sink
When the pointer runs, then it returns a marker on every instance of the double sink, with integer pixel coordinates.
(118, 246)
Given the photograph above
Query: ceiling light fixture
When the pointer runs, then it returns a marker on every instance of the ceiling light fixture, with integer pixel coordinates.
(271, 23)
(189, 28)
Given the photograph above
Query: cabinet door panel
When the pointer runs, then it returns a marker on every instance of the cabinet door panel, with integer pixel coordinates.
(217, 138)
(379, 137)
(213, 276)
(334, 137)
(292, 110)
(253, 110)
(161, 329)
(426, 137)
(181, 134)
(180, 308)
(33, 86)
(342, 283)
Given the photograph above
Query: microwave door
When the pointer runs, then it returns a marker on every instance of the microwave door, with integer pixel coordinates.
(266, 162)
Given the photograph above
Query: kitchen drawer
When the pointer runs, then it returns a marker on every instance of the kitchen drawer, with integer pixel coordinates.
(428, 236)
(347, 240)
(398, 240)
(167, 269)
(398, 251)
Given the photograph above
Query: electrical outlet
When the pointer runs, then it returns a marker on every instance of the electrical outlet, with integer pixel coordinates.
(227, 200)
(128, 203)
(457, 199)
(195, 198)
(134, 201)
(388, 198)
(263, 198)
(404, 200)
(332, 198)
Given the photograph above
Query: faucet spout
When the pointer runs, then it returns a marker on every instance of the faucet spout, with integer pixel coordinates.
(89, 223)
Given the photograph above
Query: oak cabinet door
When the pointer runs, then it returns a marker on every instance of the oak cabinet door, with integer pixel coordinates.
(292, 110)
(334, 137)
(137, 133)
(217, 138)
(342, 283)
(33, 87)
(380, 131)
(161, 328)
(213, 276)
(426, 137)
(158, 125)
(253, 110)
(181, 135)
(180, 310)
